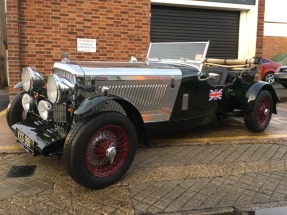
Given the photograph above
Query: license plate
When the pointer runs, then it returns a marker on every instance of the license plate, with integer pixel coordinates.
(24, 139)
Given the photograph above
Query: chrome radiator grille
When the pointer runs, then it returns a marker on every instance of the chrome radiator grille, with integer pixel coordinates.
(59, 113)
(146, 97)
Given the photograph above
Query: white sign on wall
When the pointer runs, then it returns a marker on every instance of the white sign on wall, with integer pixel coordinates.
(86, 45)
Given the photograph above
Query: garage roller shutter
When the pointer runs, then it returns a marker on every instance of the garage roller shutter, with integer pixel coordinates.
(178, 24)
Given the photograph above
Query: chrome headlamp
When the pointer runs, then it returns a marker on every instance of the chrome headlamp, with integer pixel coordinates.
(31, 79)
(28, 102)
(59, 89)
(45, 109)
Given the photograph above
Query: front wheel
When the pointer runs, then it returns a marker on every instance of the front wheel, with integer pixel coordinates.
(99, 151)
(259, 118)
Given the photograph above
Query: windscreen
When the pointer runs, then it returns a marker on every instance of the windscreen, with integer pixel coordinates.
(189, 51)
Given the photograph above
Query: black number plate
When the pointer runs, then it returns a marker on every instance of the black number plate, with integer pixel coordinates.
(24, 139)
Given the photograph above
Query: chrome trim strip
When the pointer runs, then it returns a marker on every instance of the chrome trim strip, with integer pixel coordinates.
(133, 73)
(204, 54)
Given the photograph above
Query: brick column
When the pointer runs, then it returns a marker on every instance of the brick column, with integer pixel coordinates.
(13, 39)
(260, 32)
(260, 28)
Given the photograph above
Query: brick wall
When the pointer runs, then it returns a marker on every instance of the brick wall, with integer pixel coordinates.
(46, 29)
(260, 28)
(274, 46)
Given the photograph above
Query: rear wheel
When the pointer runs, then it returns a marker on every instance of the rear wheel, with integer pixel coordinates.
(99, 151)
(259, 118)
(269, 77)
(284, 85)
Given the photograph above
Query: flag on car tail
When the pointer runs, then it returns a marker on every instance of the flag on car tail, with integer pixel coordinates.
(215, 94)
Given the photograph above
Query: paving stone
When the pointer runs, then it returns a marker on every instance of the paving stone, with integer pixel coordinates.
(243, 199)
(7, 192)
(33, 191)
(15, 184)
(178, 203)
(160, 204)
(260, 197)
(173, 194)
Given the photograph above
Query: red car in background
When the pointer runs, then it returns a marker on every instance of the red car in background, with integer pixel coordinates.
(268, 69)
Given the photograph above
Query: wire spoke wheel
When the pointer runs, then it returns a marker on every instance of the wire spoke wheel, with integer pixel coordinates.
(106, 151)
(99, 150)
(263, 112)
(259, 118)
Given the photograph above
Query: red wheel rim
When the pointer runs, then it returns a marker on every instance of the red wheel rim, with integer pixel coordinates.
(263, 112)
(97, 159)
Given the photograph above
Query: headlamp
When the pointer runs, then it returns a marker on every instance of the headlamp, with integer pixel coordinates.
(31, 79)
(59, 89)
(45, 109)
(27, 102)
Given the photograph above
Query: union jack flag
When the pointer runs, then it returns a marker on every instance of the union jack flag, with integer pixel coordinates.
(215, 94)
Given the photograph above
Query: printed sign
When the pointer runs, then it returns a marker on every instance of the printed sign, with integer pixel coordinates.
(86, 45)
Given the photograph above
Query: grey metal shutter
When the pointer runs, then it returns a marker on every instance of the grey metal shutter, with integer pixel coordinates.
(179, 24)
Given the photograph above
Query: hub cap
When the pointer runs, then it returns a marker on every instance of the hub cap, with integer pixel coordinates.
(106, 151)
(263, 111)
(111, 153)
(269, 78)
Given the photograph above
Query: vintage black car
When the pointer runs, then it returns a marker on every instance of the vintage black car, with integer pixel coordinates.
(280, 76)
(96, 112)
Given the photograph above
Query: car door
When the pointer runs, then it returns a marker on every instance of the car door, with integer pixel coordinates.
(196, 99)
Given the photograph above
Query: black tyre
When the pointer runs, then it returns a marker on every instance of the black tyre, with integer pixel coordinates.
(15, 111)
(284, 85)
(99, 151)
(269, 77)
(259, 118)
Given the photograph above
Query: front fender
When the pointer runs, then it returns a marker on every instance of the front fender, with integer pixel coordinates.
(254, 90)
(92, 102)
(131, 111)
